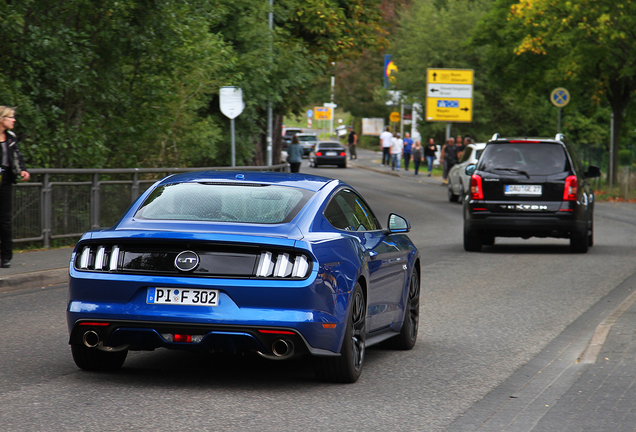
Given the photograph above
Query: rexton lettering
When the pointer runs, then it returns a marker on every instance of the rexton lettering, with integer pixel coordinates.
(525, 207)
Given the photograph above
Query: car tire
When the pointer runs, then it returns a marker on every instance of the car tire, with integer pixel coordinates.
(488, 240)
(451, 196)
(93, 359)
(590, 234)
(472, 241)
(347, 367)
(579, 244)
(344, 165)
(462, 193)
(408, 334)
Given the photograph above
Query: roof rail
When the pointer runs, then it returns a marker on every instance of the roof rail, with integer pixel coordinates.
(495, 137)
(559, 137)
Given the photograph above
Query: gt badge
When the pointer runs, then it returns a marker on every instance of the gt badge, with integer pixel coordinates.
(187, 261)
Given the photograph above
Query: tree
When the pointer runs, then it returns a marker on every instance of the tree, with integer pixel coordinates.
(110, 83)
(593, 41)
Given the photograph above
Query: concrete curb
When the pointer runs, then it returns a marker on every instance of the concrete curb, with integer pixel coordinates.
(33, 279)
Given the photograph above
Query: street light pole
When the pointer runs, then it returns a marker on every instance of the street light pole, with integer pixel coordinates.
(269, 102)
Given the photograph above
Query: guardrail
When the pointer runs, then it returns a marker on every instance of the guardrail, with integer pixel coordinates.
(65, 203)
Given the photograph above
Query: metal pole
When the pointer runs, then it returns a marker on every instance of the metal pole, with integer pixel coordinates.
(448, 131)
(333, 111)
(233, 143)
(559, 122)
(401, 119)
(269, 102)
(611, 154)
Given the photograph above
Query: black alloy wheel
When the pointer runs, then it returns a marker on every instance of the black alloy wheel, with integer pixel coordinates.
(451, 195)
(408, 334)
(347, 367)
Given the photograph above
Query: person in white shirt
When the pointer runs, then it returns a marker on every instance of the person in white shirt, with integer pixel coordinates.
(386, 142)
(396, 151)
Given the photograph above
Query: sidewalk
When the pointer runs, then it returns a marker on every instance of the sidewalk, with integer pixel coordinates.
(372, 160)
(36, 269)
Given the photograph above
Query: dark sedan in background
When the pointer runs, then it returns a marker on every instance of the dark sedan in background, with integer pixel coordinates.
(328, 153)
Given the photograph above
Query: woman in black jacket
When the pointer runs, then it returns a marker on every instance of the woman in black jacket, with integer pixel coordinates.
(12, 165)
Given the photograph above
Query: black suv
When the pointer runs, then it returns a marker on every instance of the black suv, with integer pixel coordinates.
(527, 187)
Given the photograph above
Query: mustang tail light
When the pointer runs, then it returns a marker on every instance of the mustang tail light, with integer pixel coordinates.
(571, 191)
(101, 258)
(476, 191)
(282, 265)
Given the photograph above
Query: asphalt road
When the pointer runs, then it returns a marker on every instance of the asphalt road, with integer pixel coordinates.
(484, 315)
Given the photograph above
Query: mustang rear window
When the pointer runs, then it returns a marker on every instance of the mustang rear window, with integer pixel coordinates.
(247, 203)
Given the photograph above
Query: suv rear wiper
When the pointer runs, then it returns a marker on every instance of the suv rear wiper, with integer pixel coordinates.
(513, 170)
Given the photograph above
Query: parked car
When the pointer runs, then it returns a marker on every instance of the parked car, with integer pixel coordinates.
(458, 180)
(526, 187)
(279, 264)
(288, 135)
(307, 141)
(328, 153)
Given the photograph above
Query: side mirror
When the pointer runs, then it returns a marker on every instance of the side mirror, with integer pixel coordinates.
(398, 224)
(592, 171)
(470, 169)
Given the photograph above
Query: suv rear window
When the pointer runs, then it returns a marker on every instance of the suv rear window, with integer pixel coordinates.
(528, 158)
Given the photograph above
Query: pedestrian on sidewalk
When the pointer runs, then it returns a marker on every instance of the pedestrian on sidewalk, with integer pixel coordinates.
(396, 151)
(418, 156)
(13, 167)
(430, 152)
(386, 142)
(294, 154)
(408, 145)
(352, 139)
(449, 157)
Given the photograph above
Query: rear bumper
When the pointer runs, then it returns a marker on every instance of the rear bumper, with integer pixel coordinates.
(557, 224)
(138, 335)
(331, 160)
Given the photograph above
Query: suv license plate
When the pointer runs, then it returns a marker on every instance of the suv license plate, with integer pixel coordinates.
(182, 296)
(523, 189)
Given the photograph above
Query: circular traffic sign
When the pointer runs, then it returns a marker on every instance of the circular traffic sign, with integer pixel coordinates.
(394, 117)
(310, 113)
(560, 97)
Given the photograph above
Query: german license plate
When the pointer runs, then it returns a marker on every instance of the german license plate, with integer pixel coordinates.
(182, 296)
(523, 189)
(332, 153)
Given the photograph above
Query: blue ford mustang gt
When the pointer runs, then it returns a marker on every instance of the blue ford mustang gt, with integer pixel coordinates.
(274, 263)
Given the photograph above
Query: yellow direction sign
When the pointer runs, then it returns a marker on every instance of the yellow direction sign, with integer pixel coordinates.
(450, 95)
(322, 113)
(394, 117)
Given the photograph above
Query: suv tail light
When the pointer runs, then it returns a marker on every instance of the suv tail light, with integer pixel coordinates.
(570, 193)
(476, 191)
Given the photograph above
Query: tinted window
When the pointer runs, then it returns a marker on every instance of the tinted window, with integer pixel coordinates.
(348, 211)
(224, 203)
(305, 138)
(531, 158)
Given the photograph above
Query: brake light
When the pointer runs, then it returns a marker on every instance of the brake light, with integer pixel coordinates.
(571, 191)
(318, 153)
(476, 191)
(343, 154)
(282, 332)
